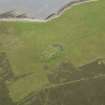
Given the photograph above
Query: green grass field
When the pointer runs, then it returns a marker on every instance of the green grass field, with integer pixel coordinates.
(80, 30)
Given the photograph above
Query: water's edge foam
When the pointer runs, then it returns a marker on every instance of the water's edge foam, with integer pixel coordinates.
(58, 14)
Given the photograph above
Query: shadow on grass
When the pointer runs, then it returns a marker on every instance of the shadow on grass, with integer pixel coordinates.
(84, 85)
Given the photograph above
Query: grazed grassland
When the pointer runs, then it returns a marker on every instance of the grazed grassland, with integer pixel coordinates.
(80, 31)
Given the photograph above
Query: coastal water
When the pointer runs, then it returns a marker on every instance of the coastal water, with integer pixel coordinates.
(38, 9)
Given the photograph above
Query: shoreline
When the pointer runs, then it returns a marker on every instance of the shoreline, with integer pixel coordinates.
(50, 17)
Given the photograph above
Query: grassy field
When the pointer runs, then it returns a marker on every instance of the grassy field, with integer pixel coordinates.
(80, 31)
